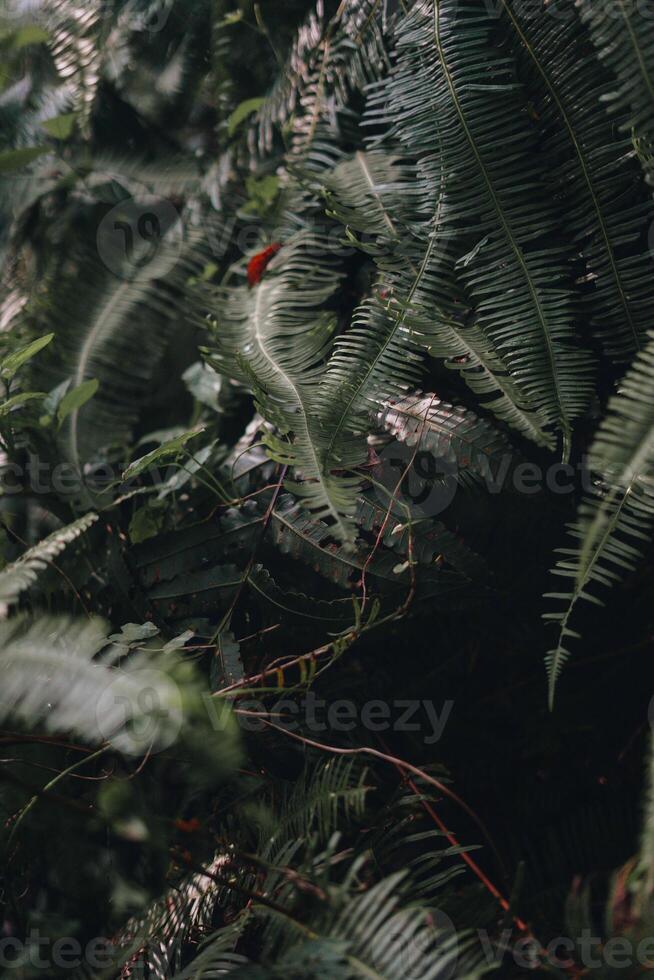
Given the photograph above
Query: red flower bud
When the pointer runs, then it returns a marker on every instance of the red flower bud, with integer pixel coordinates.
(257, 264)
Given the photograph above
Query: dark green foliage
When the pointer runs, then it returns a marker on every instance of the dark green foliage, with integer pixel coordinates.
(318, 324)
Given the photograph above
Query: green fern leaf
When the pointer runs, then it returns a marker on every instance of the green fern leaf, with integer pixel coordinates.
(118, 337)
(615, 525)
(52, 677)
(624, 38)
(452, 100)
(75, 43)
(447, 432)
(568, 86)
(329, 60)
(274, 337)
(23, 573)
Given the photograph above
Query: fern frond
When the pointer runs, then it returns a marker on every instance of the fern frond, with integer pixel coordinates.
(418, 303)
(380, 197)
(201, 592)
(374, 194)
(154, 942)
(51, 676)
(215, 957)
(615, 525)
(334, 614)
(329, 59)
(447, 432)
(223, 540)
(68, 677)
(307, 814)
(369, 923)
(453, 101)
(334, 791)
(23, 573)
(275, 337)
(467, 350)
(286, 94)
(425, 541)
(118, 338)
(311, 542)
(375, 359)
(75, 42)
(605, 214)
(624, 38)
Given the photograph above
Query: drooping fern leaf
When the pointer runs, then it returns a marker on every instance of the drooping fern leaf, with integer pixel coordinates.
(615, 525)
(359, 939)
(337, 614)
(372, 193)
(274, 337)
(330, 58)
(381, 199)
(117, 337)
(418, 305)
(453, 100)
(311, 542)
(155, 941)
(22, 573)
(607, 210)
(52, 677)
(624, 38)
(75, 41)
(467, 350)
(446, 432)
(425, 541)
(376, 358)
(368, 923)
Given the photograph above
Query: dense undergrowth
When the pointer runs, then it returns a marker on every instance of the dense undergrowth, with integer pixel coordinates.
(318, 327)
